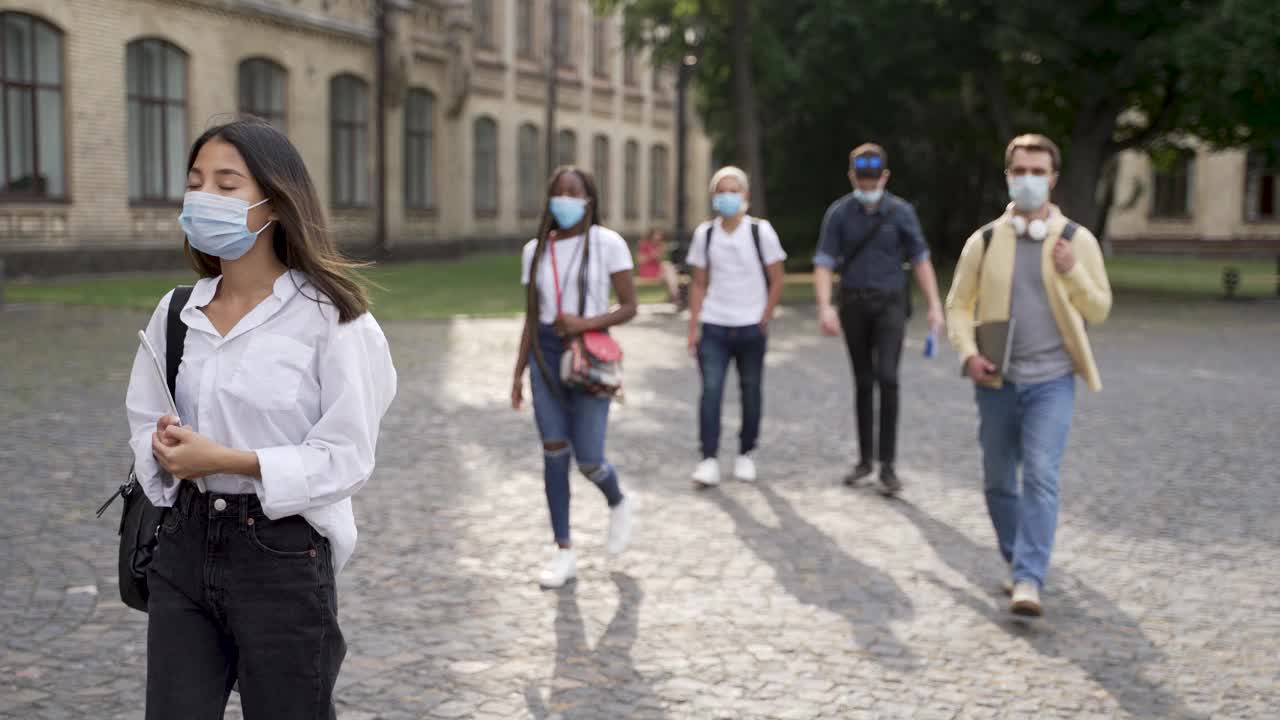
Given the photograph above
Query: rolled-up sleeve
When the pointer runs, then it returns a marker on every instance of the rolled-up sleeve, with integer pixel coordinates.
(829, 238)
(357, 384)
(145, 403)
(913, 236)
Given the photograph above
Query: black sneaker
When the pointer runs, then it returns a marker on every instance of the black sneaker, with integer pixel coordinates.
(890, 485)
(855, 476)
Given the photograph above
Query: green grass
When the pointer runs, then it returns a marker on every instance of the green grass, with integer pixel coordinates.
(1189, 277)
(488, 285)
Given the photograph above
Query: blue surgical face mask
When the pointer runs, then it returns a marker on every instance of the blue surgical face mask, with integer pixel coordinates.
(218, 225)
(1029, 192)
(728, 204)
(568, 211)
(867, 197)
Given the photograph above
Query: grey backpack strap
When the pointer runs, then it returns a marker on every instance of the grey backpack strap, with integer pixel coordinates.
(987, 232)
(1069, 230)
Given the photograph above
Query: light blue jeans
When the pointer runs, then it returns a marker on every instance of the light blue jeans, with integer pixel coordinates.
(1025, 425)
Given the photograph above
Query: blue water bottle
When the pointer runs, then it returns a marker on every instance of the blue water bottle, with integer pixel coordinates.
(930, 345)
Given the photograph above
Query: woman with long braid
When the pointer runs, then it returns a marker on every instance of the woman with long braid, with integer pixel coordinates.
(572, 264)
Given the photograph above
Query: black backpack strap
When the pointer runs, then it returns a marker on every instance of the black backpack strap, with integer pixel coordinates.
(1069, 230)
(755, 236)
(706, 249)
(987, 232)
(175, 336)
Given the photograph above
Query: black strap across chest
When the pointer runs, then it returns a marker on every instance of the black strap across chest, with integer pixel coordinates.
(755, 237)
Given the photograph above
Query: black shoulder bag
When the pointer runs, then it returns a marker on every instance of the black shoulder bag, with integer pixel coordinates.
(140, 520)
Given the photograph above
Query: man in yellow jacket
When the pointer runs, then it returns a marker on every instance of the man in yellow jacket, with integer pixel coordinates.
(1043, 274)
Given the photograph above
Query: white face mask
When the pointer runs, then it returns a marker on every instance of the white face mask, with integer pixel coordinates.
(1029, 192)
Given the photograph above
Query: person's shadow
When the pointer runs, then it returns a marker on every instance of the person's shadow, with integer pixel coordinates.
(597, 682)
(1081, 624)
(816, 571)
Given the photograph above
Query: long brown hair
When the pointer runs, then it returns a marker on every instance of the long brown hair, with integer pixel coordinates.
(533, 300)
(301, 240)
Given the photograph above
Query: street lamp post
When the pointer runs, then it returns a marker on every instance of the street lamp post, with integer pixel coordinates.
(688, 63)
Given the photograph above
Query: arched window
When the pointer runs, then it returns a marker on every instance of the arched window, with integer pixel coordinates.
(419, 150)
(486, 167)
(567, 148)
(262, 93)
(156, 82)
(532, 176)
(631, 180)
(32, 153)
(349, 141)
(600, 168)
(658, 181)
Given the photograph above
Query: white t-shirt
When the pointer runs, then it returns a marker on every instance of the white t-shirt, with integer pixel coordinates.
(609, 254)
(738, 293)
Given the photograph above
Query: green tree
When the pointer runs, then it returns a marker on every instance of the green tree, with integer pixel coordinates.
(944, 84)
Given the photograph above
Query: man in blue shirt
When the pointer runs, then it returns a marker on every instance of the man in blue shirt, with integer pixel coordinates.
(866, 236)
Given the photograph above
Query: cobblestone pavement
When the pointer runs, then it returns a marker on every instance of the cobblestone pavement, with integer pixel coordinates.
(792, 598)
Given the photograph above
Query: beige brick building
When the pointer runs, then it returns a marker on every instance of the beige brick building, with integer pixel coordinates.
(104, 97)
(1198, 201)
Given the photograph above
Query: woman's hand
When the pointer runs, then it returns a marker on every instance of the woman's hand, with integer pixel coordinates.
(517, 391)
(186, 453)
(571, 326)
(165, 423)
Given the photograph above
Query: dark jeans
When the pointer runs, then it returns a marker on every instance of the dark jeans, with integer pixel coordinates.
(874, 324)
(746, 347)
(238, 597)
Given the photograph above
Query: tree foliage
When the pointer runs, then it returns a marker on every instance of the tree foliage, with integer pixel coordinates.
(944, 84)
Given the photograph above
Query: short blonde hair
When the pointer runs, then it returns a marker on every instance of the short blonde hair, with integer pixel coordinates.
(1033, 142)
(730, 171)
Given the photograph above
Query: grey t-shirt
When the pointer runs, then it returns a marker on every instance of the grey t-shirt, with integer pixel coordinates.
(1038, 354)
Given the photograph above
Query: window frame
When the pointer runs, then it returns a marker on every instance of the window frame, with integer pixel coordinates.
(631, 172)
(486, 212)
(1182, 175)
(280, 119)
(601, 171)
(658, 190)
(34, 87)
(360, 86)
(600, 67)
(426, 135)
(1262, 165)
(485, 33)
(531, 176)
(572, 136)
(165, 103)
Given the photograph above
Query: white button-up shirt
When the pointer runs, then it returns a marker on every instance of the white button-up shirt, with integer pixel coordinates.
(289, 383)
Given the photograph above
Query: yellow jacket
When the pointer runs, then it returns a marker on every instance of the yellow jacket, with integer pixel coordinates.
(981, 289)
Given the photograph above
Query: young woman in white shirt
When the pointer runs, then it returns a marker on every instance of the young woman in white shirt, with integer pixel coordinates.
(283, 383)
(572, 255)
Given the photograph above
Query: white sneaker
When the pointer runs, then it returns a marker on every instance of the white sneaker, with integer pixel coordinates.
(562, 568)
(619, 527)
(1026, 599)
(707, 473)
(744, 468)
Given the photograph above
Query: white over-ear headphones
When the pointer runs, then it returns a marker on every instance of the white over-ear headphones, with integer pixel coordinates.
(1037, 229)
